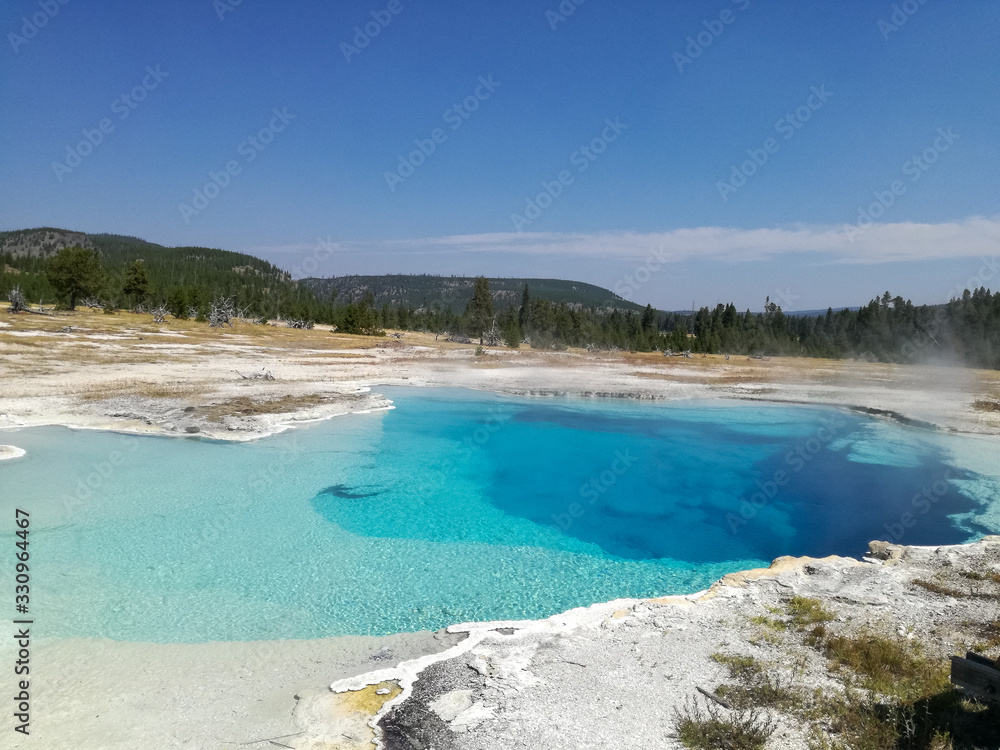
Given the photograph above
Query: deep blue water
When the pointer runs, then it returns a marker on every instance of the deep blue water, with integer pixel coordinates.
(460, 505)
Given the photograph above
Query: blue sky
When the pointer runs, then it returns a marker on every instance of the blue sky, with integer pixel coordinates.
(833, 105)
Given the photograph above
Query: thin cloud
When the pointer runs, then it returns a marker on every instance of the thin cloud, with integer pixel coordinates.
(880, 243)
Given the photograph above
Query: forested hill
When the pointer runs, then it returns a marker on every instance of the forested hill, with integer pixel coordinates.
(452, 293)
(190, 277)
(127, 272)
(184, 276)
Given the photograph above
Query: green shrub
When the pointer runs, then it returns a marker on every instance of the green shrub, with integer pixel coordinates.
(805, 611)
(713, 728)
(754, 686)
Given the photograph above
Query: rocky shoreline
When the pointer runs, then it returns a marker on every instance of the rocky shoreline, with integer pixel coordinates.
(619, 674)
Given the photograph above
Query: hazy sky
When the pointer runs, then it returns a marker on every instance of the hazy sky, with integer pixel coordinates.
(678, 152)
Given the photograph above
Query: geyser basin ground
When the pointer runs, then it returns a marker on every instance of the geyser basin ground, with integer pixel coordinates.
(462, 506)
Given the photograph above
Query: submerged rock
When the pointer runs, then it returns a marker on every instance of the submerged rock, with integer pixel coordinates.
(8, 452)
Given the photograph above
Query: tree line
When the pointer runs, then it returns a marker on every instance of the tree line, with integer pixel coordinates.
(124, 273)
(887, 329)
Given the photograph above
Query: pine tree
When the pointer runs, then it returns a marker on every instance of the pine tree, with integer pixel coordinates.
(649, 319)
(136, 284)
(524, 314)
(480, 308)
(75, 272)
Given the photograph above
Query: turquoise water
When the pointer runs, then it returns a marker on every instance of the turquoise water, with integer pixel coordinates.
(460, 505)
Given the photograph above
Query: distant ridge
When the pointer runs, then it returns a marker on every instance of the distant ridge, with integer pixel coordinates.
(198, 274)
(814, 313)
(191, 275)
(453, 292)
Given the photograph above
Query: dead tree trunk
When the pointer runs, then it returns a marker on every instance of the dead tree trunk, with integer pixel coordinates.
(221, 313)
(262, 375)
(492, 337)
(17, 303)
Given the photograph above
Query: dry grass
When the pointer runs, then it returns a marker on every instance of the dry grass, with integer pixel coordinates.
(807, 611)
(938, 588)
(131, 326)
(755, 685)
(989, 633)
(696, 376)
(248, 407)
(975, 575)
(895, 698)
(215, 412)
(889, 666)
(22, 342)
(892, 697)
(709, 728)
(142, 389)
(769, 623)
(129, 339)
(340, 355)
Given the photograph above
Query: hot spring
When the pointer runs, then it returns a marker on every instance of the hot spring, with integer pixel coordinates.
(459, 505)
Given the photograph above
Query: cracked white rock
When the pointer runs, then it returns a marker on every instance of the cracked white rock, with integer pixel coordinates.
(472, 717)
(450, 705)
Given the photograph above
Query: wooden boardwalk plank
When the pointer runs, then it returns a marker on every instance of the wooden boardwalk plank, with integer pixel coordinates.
(976, 673)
